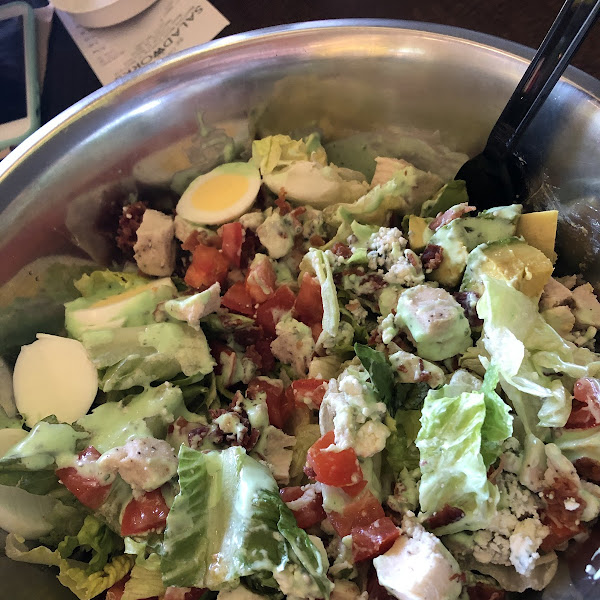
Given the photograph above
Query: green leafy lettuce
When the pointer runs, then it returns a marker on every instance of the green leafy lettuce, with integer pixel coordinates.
(531, 357)
(279, 151)
(138, 356)
(453, 469)
(228, 522)
(331, 310)
(73, 574)
(94, 538)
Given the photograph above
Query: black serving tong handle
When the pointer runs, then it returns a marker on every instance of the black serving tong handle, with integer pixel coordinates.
(496, 176)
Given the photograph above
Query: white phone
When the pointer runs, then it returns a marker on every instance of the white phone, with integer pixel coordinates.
(19, 93)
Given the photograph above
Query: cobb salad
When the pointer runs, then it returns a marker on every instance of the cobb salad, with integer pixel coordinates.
(302, 383)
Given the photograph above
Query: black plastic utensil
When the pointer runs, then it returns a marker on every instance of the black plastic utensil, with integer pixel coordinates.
(497, 176)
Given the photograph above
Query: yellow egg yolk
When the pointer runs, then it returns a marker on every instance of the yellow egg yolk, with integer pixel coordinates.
(217, 193)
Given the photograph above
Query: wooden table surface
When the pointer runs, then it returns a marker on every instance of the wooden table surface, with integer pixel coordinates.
(69, 78)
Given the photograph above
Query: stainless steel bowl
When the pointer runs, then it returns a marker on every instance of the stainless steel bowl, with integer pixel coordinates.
(340, 76)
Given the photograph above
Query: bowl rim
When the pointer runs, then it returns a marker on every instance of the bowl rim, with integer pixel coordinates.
(576, 77)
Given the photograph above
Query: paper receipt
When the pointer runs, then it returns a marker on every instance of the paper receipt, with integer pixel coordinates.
(166, 27)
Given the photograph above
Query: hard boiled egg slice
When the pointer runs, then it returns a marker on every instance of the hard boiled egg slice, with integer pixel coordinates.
(54, 376)
(223, 194)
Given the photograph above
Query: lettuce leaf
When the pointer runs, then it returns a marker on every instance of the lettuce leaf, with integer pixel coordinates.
(580, 443)
(400, 449)
(453, 471)
(331, 310)
(97, 539)
(139, 356)
(229, 507)
(33, 516)
(278, 151)
(531, 357)
(497, 425)
(143, 583)
(72, 573)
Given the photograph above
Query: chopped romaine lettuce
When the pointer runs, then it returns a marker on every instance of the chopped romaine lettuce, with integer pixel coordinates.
(452, 467)
(228, 522)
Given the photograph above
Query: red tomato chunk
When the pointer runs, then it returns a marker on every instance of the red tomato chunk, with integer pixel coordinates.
(305, 503)
(237, 299)
(309, 305)
(208, 266)
(233, 238)
(332, 466)
(373, 540)
(360, 512)
(88, 490)
(145, 514)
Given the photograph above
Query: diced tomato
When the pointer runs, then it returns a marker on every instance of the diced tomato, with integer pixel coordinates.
(88, 490)
(237, 299)
(306, 504)
(271, 311)
(263, 347)
(309, 306)
(309, 391)
(183, 593)
(115, 592)
(360, 512)
(261, 279)
(148, 513)
(334, 467)
(277, 404)
(374, 539)
(586, 404)
(208, 266)
(233, 237)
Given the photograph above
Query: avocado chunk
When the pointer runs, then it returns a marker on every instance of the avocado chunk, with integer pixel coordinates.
(539, 230)
(524, 267)
(418, 233)
(460, 236)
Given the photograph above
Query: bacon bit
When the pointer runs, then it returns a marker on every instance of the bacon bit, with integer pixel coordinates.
(446, 515)
(129, 222)
(492, 473)
(316, 240)
(253, 355)
(585, 411)
(432, 257)
(484, 591)
(300, 210)
(200, 237)
(468, 301)
(459, 577)
(374, 338)
(249, 246)
(588, 469)
(375, 590)
(283, 205)
(452, 213)
(249, 336)
(563, 523)
(342, 250)
(413, 259)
